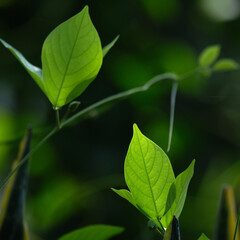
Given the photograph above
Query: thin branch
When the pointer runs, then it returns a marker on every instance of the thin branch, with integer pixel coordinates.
(121, 95)
(172, 111)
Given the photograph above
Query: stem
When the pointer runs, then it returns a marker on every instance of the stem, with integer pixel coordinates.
(172, 111)
(58, 119)
(143, 88)
(121, 95)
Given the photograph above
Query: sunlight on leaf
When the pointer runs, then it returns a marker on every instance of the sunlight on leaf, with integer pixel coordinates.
(71, 58)
(203, 237)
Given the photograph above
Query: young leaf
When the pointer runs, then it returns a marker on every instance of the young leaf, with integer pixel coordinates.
(109, 46)
(148, 174)
(177, 195)
(203, 237)
(34, 72)
(94, 232)
(209, 55)
(71, 58)
(225, 65)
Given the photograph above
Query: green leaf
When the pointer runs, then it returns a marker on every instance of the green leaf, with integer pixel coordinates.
(148, 174)
(94, 232)
(177, 195)
(209, 55)
(203, 237)
(225, 65)
(126, 195)
(34, 72)
(71, 58)
(109, 46)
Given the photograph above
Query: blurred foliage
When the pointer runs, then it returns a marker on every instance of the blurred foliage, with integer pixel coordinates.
(155, 37)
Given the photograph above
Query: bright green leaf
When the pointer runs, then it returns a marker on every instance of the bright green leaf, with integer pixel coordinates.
(225, 65)
(71, 58)
(35, 72)
(177, 195)
(148, 174)
(109, 46)
(203, 237)
(209, 55)
(94, 232)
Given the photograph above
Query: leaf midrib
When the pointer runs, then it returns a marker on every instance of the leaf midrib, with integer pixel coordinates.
(68, 63)
(151, 190)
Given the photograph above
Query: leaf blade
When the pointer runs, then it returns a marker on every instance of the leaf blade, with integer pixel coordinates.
(71, 58)
(94, 232)
(180, 191)
(225, 64)
(34, 72)
(148, 174)
(203, 237)
(108, 47)
(209, 55)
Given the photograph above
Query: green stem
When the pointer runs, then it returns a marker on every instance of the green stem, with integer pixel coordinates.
(58, 119)
(143, 88)
(172, 111)
(121, 95)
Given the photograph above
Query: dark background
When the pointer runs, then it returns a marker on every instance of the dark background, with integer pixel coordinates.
(71, 175)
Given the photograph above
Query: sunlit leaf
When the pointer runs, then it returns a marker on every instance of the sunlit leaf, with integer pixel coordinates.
(225, 65)
(35, 72)
(209, 55)
(71, 58)
(177, 195)
(203, 237)
(94, 232)
(107, 48)
(148, 174)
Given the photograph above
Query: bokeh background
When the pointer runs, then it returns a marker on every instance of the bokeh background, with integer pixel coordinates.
(71, 175)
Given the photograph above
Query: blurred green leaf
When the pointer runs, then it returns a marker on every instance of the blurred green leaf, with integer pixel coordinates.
(71, 58)
(209, 55)
(107, 48)
(227, 215)
(34, 72)
(203, 237)
(94, 232)
(225, 65)
(12, 226)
